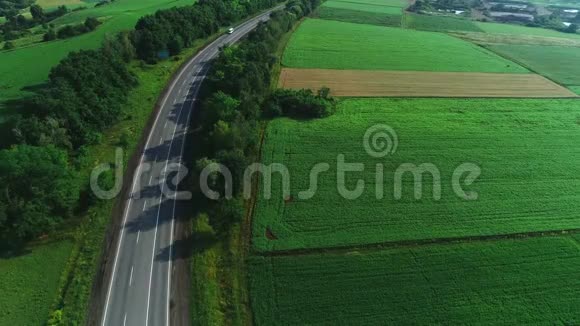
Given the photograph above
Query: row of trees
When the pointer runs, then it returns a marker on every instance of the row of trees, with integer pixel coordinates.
(69, 31)
(238, 87)
(85, 94)
(170, 30)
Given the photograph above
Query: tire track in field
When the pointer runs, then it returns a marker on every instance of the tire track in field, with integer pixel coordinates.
(416, 243)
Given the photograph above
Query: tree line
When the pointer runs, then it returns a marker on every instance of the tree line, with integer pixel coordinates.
(237, 95)
(84, 96)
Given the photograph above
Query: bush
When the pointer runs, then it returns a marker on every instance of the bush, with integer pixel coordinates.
(49, 36)
(8, 46)
(301, 103)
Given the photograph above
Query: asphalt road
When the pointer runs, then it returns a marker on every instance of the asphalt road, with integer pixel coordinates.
(139, 289)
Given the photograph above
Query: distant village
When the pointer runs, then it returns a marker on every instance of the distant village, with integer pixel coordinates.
(560, 16)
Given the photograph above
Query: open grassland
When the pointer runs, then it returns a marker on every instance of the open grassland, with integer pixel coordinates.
(364, 83)
(497, 28)
(29, 282)
(338, 45)
(438, 23)
(526, 150)
(51, 4)
(29, 66)
(558, 63)
(518, 282)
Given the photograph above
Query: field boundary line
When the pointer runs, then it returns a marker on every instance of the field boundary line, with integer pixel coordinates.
(417, 243)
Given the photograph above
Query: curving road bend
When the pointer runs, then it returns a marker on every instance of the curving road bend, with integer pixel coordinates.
(139, 289)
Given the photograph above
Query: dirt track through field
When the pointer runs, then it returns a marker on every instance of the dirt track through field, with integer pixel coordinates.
(422, 84)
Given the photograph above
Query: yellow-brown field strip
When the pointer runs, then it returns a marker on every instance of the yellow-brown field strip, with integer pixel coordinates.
(422, 84)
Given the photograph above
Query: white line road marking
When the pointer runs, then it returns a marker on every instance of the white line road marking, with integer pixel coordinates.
(160, 140)
(144, 205)
(157, 223)
(125, 320)
(138, 234)
(165, 124)
(175, 100)
(131, 277)
(129, 201)
(150, 178)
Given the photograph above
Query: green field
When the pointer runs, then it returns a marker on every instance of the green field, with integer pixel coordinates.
(559, 63)
(338, 45)
(373, 13)
(389, 3)
(29, 66)
(29, 283)
(439, 23)
(496, 28)
(526, 150)
(363, 7)
(518, 282)
(575, 89)
(359, 17)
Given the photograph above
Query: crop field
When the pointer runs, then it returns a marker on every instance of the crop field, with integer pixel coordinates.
(558, 63)
(363, 7)
(29, 284)
(439, 23)
(361, 13)
(575, 89)
(497, 28)
(337, 45)
(364, 83)
(359, 17)
(29, 66)
(513, 282)
(526, 150)
(494, 39)
(389, 3)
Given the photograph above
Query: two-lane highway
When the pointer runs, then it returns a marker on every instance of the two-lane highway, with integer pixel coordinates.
(139, 289)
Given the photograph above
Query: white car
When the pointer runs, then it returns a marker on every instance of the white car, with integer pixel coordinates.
(231, 30)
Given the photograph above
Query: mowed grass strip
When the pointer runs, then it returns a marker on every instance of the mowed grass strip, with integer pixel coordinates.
(559, 63)
(526, 149)
(439, 23)
(364, 83)
(518, 282)
(337, 45)
(29, 283)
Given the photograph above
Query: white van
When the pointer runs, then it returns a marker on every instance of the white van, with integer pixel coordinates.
(231, 30)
